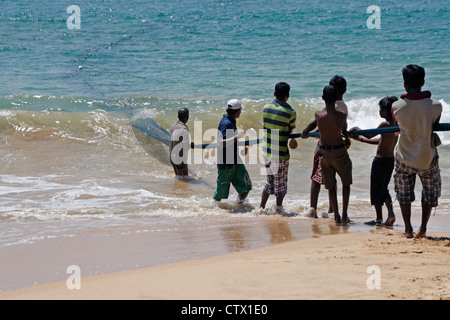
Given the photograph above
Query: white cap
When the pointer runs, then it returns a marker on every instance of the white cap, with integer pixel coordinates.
(234, 104)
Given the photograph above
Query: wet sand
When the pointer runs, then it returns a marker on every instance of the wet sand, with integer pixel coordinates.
(347, 266)
(97, 251)
(277, 259)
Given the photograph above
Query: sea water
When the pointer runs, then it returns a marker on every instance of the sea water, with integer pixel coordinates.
(74, 81)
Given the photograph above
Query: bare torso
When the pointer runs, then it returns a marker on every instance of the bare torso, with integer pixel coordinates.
(387, 143)
(331, 124)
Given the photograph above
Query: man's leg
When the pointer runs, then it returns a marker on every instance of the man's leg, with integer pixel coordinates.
(223, 184)
(426, 212)
(391, 216)
(183, 172)
(264, 198)
(241, 182)
(345, 201)
(280, 182)
(280, 201)
(316, 181)
(405, 180)
(431, 184)
(388, 200)
(343, 166)
(242, 196)
(329, 179)
(332, 195)
(314, 195)
(406, 213)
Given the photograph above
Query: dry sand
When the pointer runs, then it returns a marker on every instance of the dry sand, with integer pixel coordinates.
(343, 266)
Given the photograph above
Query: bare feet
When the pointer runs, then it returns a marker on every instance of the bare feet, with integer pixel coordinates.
(420, 235)
(346, 220)
(409, 234)
(342, 222)
(337, 220)
(389, 222)
(422, 232)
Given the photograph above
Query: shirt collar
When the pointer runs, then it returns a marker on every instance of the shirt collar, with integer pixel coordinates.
(229, 118)
(281, 103)
(417, 95)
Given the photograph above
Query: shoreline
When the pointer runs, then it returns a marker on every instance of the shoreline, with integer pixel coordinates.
(296, 269)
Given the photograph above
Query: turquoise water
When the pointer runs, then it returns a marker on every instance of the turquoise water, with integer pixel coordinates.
(219, 48)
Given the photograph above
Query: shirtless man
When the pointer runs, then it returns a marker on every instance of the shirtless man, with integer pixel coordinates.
(333, 154)
(383, 163)
(316, 176)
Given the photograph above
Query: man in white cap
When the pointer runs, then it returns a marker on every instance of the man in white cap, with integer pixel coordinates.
(231, 169)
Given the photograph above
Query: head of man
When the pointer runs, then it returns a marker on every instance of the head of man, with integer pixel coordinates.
(386, 107)
(282, 90)
(330, 95)
(340, 84)
(413, 77)
(234, 108)
(183, 115)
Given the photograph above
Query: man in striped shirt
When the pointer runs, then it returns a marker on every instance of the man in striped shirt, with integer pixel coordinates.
(279, 122)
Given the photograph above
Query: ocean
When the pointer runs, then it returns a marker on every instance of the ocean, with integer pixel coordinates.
(75, 79)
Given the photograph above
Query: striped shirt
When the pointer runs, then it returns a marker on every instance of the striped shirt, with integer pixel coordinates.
(279, 121)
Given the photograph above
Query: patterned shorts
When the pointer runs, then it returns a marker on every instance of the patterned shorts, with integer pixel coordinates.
(405, 180)
(237, 176)
(316, 174)
(277, 183)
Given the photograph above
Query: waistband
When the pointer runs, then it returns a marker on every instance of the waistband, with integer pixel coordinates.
(332, 147)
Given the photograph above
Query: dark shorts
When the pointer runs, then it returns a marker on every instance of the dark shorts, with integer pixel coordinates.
(380, 177)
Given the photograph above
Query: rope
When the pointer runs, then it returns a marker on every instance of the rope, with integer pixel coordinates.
(153, 129)
(439, 127)
(82, 61)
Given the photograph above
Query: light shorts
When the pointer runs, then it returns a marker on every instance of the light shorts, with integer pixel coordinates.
(405, 180)
(238, 176)
(336, 161)
(276, 183)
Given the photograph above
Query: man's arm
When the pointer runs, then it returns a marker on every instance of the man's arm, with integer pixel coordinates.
(310, 127)
(292, 123)
(436, 123)
(224, 142)
(368, 138)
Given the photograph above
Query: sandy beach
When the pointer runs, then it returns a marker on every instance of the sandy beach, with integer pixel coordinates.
(382, 264)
